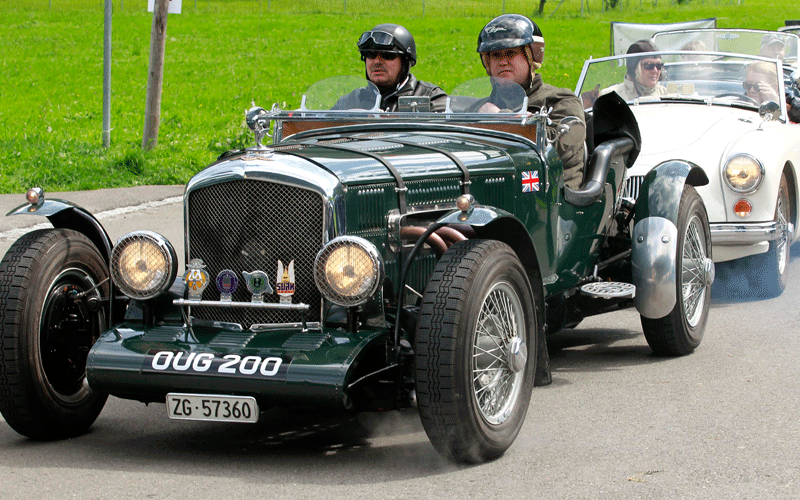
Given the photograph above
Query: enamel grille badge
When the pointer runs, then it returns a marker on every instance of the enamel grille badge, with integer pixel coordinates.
(284, 282)
(258, 284)
(196, 279)
(227, 283)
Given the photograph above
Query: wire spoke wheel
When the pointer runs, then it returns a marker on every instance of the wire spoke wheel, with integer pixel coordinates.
(768, 272)
(681, 331)
(495, 383)
(475, 350)
(693, 263)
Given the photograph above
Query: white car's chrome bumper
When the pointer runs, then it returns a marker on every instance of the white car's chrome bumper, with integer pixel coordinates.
(744, 233)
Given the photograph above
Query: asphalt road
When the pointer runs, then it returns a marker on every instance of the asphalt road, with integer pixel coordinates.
(617, 422)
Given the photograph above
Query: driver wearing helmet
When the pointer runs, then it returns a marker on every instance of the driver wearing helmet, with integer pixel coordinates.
(389, 52)
(511, 46)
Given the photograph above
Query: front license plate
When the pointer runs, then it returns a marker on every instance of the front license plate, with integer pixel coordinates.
(212, 408)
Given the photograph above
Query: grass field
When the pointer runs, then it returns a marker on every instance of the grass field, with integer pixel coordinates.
(221, 55)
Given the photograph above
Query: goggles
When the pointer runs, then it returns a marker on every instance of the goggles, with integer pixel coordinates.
(377, 37)
(651, 66)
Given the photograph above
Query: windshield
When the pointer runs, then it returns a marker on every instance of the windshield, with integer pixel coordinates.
(708, 77)
(354, 95)
(771, 44)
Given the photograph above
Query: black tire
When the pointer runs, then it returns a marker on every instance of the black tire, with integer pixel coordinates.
(681, 331)
(767, 272)
(473, 417)
(45, 336)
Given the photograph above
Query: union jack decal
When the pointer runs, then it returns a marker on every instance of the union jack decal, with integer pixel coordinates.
(530, 181)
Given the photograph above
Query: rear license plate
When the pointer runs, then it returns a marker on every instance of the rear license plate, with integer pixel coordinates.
(212, 408)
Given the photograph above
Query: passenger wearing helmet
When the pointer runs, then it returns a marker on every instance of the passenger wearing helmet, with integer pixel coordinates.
(389, 52)
(642, 74)
(512, 47)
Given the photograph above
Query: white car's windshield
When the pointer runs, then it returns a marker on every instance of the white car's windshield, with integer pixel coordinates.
(707, 77)
(770, 44)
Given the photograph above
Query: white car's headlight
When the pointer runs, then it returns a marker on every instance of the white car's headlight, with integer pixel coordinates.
(143, 264)
(743, 173)
(348, 270)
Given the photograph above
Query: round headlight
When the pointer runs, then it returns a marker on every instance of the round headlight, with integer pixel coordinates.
(743, 173)
(143, 264)
(348, 270)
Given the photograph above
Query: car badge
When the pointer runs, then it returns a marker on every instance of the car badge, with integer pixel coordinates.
(530, 181)
(258, 284)
(284, 282)
(196, 279)
(227, 283)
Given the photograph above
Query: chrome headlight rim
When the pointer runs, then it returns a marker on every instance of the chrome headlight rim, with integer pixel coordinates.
(758, 182)
(163, 278)
(365, 293)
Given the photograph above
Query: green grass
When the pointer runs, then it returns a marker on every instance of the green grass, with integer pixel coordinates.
(222, 55)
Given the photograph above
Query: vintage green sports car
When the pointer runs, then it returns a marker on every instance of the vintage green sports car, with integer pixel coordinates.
(362, 261)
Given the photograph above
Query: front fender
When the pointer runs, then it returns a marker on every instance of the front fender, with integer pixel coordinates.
(662, 188)
(66, 215)
(655, 235)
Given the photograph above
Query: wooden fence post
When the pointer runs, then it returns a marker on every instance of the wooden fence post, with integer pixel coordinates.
(155, 74)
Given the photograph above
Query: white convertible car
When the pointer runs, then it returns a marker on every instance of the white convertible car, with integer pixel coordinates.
(726, 113)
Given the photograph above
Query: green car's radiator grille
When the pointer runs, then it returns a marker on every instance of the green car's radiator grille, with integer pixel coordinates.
(248, 225)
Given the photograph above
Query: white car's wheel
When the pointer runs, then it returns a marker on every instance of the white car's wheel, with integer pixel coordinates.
(768, 271)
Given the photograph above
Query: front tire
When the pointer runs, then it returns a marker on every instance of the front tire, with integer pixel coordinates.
(768, 271)
(46, 334)
(476, 347)
(681, 331)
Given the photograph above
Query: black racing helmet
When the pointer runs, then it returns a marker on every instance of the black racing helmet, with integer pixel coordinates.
(509, 31)
(389, 38)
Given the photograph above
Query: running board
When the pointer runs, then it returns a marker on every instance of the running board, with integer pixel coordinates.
(609, 290)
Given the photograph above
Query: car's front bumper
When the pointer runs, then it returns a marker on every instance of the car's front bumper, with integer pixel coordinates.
(737, 240)
(734, 234)
(287, 367)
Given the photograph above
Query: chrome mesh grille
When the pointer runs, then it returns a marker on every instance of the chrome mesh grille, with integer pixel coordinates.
(248, 225)
(633, 185)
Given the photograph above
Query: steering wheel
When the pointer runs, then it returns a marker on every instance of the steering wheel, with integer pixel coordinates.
(741, 97)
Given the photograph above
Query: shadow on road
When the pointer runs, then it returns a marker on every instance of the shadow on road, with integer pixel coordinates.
(738, 281)
(284, 447)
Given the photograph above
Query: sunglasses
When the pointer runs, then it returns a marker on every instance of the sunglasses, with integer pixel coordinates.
(651, 66)
(373, 54)
(377, 37)
(749, 85)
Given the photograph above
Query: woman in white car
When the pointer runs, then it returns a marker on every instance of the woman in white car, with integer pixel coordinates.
(643, 74)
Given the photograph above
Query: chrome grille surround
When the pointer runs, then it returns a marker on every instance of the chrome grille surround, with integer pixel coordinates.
(248, 225)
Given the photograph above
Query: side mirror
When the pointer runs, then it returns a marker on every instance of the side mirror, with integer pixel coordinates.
(571, 131)
(769, 111)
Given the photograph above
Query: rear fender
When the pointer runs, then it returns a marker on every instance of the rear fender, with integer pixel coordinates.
(655, 235)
